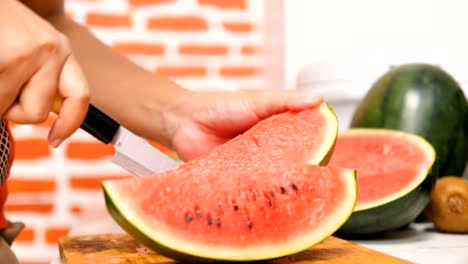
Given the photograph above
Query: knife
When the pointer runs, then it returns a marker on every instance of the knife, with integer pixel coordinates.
(132, 152)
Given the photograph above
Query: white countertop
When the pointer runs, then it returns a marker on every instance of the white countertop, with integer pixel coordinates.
(420, 243)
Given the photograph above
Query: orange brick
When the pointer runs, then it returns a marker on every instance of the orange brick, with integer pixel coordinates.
(53, 234)
(203, 49)
(181, 71)
(93, 182)
(139, 48)
(149, 2)
(180, 23)
(238, 71)
(240, 4)
(76, 210)
(42, 208)
(27, 235)
(30, 149)
(238, 27)
(108, 20)
(249, 50)
(88, 150)
(30, 186)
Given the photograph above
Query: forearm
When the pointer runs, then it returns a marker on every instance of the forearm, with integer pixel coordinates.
(137, 98)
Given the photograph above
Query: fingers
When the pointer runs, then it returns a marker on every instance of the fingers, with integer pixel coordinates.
(57, 74)
(265, 104)
(73, 87)
(13, 76)
(299, 101)
(35, 100)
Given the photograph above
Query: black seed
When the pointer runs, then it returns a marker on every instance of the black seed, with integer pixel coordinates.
(188, 217)
(210, 221)
(218, 222)
(272, 194)
(294, 187)
(249, 224)
(283, 190)
(236, 208)
(199, 214)
(270, 203)
(253, 195)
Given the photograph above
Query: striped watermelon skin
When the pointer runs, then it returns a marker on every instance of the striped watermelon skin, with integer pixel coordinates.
(425, 100)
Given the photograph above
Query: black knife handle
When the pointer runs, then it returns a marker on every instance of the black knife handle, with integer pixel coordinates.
(100, 125)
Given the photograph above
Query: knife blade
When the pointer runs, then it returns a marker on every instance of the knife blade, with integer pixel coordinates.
(133, 153)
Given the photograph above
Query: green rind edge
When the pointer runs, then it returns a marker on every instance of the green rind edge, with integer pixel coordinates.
(395, 214)
(328, 155)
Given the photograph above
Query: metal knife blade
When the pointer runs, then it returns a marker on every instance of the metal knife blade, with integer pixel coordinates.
(132, 152)
(136, 155)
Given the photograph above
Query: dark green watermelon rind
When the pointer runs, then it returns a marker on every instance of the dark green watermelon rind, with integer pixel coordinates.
(144, 239)
(139, 236)
(441, 118)
(395, 214)
(324, 154)
(390, 216)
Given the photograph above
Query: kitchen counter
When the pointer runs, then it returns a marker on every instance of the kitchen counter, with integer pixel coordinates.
(419, 243)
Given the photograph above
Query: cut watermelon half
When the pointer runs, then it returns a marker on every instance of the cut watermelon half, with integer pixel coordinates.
(394, 177)
(255, 197)
(242, 216)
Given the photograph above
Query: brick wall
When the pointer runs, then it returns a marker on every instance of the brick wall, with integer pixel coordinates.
(201, 44)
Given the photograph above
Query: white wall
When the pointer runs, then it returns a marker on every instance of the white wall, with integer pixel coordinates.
(305, 32)
(331, 30)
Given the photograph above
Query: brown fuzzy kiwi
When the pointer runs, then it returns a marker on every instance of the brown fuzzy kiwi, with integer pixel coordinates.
(448, 205)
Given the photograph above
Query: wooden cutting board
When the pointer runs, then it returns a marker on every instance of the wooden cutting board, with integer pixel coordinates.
(122, 249)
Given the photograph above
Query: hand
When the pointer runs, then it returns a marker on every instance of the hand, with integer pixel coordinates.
(210, 119)
(36, 65)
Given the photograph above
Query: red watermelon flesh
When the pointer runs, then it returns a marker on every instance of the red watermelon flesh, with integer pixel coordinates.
(259, 213)
(291, 137)
(256, 197)
(388, 163)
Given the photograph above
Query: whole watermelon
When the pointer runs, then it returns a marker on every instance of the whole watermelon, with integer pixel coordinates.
(425, 100)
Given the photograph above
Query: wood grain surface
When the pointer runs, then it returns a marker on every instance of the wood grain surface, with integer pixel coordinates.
(122, 249)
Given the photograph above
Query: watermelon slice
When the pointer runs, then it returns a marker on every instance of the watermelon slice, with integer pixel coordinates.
(256, 197)
(394, 177)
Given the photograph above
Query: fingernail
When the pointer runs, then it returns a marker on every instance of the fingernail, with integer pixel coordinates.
(56, 142)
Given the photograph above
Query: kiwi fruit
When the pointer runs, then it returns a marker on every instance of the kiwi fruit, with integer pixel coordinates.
(448, 205)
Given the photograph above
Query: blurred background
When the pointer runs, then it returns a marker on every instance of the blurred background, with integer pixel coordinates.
(337, 48)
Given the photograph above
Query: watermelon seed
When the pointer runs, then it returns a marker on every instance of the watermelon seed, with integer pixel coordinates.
(270, 203)
(272, 194)
(283, 190)
(236, 208)
(218, 222)
(294, 187)
(249, 224)
(210, 221)
(199, 214)
(188, 217)
(253, 195)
